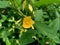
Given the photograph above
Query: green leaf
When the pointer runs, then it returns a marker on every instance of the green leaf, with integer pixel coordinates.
(7, 41)
(45, 30)
(18, 3)
(0, 25)
(4, 35)
(45, 2)
(4, 4)
(56, 23)
(3, 18)
(38, 15)
(26, 38)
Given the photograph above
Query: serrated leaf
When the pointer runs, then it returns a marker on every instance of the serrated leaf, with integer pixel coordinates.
(38, 15)
(45, 30)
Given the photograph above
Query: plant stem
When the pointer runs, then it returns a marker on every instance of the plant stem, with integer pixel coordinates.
(16, 6)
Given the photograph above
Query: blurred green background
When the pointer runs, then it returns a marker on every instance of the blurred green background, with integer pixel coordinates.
(47, 22)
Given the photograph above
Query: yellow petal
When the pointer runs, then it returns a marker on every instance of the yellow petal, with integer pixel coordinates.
(30, 7)
(32, 27)
(27, 22)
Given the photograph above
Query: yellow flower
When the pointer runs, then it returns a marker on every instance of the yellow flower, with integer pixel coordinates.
(28, 22)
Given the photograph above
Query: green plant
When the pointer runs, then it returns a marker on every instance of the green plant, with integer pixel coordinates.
(23, 22)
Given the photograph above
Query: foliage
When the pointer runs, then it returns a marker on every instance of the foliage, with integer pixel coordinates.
(44, 13)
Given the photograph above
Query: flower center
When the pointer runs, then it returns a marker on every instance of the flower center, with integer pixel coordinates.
(27, 22)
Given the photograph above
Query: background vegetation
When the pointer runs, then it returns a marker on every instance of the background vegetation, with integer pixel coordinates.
(45, 14)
